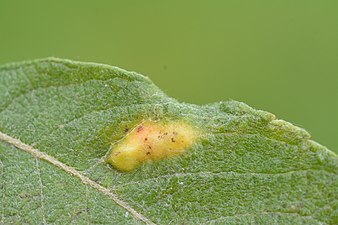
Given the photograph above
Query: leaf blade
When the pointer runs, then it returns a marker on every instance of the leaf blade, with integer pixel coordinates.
(74, 111)
(26, 201)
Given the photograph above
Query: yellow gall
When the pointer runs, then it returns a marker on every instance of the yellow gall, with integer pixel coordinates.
(152, 141)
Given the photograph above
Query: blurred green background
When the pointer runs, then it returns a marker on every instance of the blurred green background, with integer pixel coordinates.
(279, 56)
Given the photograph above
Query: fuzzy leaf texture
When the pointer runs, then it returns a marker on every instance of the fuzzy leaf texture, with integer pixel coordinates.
(60, 119)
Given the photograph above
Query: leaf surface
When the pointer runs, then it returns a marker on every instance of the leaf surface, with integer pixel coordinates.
(60, 119)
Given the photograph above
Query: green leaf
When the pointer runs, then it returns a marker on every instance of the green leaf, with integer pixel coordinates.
(59, 120)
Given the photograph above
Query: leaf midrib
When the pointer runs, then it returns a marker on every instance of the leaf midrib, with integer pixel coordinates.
(70, 170)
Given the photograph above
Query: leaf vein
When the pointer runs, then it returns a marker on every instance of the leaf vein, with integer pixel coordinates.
(70, 170)
(2, 171)
(211, 174)
(38, 170)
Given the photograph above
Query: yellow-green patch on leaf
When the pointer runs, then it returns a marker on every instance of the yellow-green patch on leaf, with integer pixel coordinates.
(152, 141)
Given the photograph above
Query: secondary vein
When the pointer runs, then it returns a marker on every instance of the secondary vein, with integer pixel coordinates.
(41, 155)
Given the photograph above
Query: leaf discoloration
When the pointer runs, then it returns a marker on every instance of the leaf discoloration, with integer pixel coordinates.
(152, 141)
